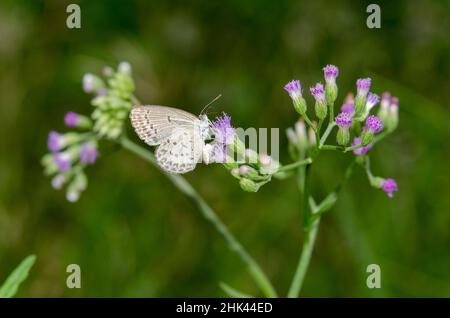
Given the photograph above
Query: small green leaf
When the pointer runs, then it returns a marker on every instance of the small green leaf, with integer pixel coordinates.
(230, 291)
(19, 274)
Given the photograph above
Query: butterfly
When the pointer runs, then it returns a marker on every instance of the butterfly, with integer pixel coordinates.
(179, 136)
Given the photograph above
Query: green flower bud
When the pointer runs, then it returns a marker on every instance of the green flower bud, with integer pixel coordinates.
(331, 91)
(321, 109)
(360, 106)
(343, 136)
(300, 105)
(366, 137)
(248, 185)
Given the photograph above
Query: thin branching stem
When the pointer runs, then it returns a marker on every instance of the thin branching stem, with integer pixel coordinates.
(185, 187)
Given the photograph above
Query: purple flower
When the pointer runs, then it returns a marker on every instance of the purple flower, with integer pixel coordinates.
(363, 86)
(389, 186)
(88, 153)
(348, 108)
(318, 92)
(371, 101)
(294, 89)
(362, 150)
(373, 124)
(55, 141)
(62, 161)
(330, 72)
(223, 131)
(71, 119)
(344, 120)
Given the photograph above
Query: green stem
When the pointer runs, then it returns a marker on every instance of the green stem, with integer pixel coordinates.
(309, 122)
(185, 187)
(326, 133)
(303, 263)
(308, 243)
(311, 228)
(295, 165)
(331, 147)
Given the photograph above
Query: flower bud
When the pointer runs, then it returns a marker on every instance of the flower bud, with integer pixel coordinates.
(389, 186)
(124, 67)
(92, 83)
(235, 172)
(268, 165)
(321, 105)
(363, 86)
(344, 121)
(58, 181)
(384, 106)
(371, 101)
(248, 185)
(392, 116)
(294, 89)
(72, 119)
(300, 130)
(251, 156)
(330, 73)
(343, 136)
(311, 137)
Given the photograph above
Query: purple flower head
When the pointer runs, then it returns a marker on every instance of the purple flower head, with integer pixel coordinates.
(223, 131)
(54, 141)
(88, 153)
(344, 120)
(294, 89)
(372, 100)
(389, 186)
(71, 119)
(362, 150)
(330, 72)
(348, 108)
(62, 161)
(318, 92)
(363, 86)
(373, 124)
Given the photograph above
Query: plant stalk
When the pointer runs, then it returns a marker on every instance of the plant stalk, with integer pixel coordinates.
(208, 213)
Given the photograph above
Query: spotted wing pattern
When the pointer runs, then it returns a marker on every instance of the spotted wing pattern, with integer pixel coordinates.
(181, 151)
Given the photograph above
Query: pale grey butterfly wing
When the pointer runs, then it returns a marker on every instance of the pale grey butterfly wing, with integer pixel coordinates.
(181, 151)
(154, 123)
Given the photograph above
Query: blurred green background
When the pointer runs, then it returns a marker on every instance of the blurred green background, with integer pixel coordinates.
(133, 234)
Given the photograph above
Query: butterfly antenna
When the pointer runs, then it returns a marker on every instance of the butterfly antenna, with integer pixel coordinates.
(209, 104)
